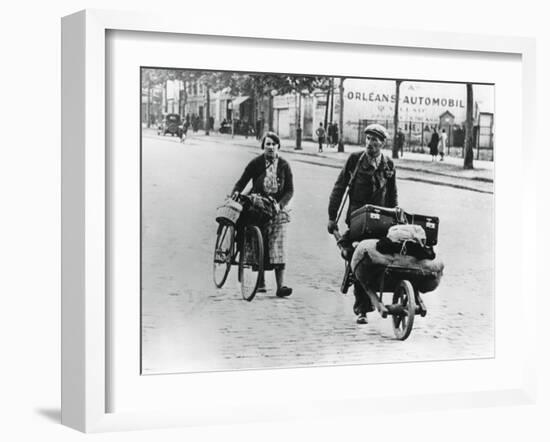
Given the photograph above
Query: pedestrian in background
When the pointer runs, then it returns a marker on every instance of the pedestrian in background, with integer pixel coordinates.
(442, 144)
(400, 141)
(184, 129)
(433, 144)
(373, 183)
(330, 134)
(320, 132)
(336, 134)
(271, 176)
(259, 128)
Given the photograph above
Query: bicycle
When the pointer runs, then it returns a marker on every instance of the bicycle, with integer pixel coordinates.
(241, 244)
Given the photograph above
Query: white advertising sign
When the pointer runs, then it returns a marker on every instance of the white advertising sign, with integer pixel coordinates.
(418, 101)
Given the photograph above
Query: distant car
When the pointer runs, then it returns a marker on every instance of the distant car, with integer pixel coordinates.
(172, 125)
(225, 127)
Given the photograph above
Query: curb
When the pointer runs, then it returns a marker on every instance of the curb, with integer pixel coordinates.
(416, 179)
(401, 166)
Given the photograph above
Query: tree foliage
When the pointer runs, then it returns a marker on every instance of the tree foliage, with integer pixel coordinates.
(238, 83)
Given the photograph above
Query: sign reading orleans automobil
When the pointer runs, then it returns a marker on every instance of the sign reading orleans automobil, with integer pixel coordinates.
(418, 101)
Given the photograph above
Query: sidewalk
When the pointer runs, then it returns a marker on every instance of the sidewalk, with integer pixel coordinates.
(451, 166)
(413, 166)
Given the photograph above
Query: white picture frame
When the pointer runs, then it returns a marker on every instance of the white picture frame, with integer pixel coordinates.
(85, 211)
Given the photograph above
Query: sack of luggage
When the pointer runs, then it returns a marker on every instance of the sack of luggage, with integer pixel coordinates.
(368, 264)
(407, 232)
(258, 210)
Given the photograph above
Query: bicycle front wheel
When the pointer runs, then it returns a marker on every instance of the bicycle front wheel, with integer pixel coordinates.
(251, 261)
(223, 253)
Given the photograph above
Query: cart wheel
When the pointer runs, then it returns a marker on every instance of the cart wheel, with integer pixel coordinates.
(404, 296)
(251, 261)
(223, 253)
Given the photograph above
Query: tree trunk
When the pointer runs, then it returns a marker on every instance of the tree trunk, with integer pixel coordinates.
(270, 120)
(395, 150)
(331, 100)
(149, 105)
(254, 113)
(165, 96)
(341, 117)
(184, 99)
(261, 110)
(207, 125)
(326, 108)
(469, 132)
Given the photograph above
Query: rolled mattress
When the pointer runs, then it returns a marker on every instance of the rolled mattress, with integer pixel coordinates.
(367, 264)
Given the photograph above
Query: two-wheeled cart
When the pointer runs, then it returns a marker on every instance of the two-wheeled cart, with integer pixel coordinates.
(402, 282)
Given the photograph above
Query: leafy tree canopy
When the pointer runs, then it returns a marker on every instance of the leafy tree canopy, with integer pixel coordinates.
(238, 83)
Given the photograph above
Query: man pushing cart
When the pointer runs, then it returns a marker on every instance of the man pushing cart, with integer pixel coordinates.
(385, 249)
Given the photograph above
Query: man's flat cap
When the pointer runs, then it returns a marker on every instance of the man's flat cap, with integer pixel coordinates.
(377, 130)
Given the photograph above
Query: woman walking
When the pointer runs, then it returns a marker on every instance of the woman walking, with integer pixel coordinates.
(271, 176)
(434, 142)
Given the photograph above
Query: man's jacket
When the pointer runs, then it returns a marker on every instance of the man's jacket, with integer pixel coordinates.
(370, 186)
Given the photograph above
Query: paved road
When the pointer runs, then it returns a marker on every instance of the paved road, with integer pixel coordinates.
(188, 325)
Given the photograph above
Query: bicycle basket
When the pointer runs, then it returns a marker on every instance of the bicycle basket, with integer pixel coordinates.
(229, 212)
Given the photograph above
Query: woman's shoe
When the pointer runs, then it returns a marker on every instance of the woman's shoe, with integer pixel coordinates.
(362, 319)
(284, 291)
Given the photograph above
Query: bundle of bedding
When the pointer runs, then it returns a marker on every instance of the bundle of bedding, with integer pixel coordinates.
(368, 262)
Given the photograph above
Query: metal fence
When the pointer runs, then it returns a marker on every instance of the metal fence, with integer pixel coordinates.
(417, 136)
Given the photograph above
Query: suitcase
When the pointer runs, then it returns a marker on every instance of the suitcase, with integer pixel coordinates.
(371, 221)
(430, 224)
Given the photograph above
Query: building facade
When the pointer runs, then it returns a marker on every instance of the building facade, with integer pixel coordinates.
(423, 106)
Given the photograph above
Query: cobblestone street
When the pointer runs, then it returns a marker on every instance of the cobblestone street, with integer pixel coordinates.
(189, 325)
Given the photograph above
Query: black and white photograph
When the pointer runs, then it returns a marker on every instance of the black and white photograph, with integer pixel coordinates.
(275, 222)
(299, 220)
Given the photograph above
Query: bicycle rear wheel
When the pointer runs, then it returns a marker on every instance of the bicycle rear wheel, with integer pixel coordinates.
(251, 261)
(223, 253)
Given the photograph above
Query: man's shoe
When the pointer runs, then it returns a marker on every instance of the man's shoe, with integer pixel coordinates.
(362, 319)
(284, 291)
(261, 289)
